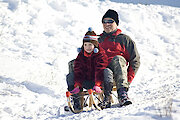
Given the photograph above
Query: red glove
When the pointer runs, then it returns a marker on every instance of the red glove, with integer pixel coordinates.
(97, 89)
(75, 90)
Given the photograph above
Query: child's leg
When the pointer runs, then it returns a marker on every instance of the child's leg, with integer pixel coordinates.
(70, 76)
(70, 81)
(71, 66)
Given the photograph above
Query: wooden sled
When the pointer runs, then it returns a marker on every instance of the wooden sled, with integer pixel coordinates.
(88, 99)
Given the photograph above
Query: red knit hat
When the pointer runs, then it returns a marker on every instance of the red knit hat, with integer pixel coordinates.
(91, 36)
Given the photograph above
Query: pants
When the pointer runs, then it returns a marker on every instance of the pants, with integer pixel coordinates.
(70, 82)
(116, 72)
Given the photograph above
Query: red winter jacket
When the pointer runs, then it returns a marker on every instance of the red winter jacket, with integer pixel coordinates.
(116, 43)
(90, 67)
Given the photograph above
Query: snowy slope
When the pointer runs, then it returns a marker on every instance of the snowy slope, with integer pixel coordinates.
(39, 37)
(174, 3)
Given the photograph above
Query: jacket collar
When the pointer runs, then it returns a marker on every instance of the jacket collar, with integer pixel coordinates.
(87, 54)
(114, 33)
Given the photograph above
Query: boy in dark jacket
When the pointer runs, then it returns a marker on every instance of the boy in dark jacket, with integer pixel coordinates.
(88, 67)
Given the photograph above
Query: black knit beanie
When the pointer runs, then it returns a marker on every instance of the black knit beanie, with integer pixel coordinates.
(111, 14)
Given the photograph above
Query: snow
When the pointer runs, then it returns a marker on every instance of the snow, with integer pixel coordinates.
(174, 3)
(39, 37)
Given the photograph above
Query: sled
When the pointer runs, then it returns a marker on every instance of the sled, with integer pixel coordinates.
(89, 100)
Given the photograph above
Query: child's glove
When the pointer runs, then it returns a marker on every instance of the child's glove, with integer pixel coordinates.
(97, 89)
(75, 90)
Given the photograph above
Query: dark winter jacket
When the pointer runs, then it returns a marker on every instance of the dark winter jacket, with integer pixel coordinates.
(90, 68)
(116, 43)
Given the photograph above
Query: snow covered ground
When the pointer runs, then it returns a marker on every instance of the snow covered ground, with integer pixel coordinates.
(39, 37)
(174, 3)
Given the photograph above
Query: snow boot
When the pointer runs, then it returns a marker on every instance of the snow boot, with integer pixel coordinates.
(123, 97)
(77, 105)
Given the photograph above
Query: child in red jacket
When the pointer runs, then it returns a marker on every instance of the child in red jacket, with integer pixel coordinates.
(88, 67)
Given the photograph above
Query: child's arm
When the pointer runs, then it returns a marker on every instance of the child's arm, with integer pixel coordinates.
(78, 70)
(101, 64)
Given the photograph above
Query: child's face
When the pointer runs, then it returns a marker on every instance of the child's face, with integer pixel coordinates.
(88, 47)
